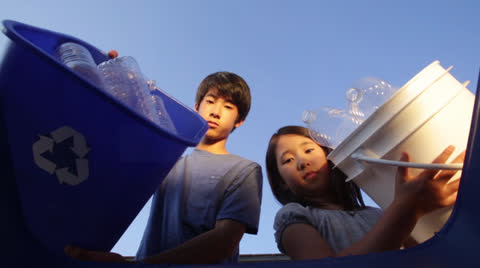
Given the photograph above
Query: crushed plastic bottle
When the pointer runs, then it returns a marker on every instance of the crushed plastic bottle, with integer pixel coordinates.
(79, 59)
(330, 126)
(324, 125)
(124, 80)
(162, 112)
(366, 95)
(120, 77)
(126, 83)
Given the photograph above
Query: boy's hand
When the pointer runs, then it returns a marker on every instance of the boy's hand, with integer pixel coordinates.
(112, 54)
(97, 256)
(430, 189)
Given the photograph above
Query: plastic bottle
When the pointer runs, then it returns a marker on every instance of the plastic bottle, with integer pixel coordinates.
(330, 126)
(323, 125)
(124, 80)
(162, 112)
(79, 59)
(366, 95)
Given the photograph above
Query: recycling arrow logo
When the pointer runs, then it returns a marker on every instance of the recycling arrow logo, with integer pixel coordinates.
(63, 152)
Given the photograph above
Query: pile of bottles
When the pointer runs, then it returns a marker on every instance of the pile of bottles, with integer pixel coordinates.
(329, 126)
(120, 77)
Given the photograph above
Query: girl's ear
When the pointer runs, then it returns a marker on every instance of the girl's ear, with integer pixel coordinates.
(287, 194)
(283, 186)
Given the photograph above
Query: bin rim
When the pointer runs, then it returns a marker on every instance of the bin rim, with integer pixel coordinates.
(9, 29)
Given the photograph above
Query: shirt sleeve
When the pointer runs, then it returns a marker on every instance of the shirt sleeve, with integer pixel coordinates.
(242, 199)
(291, 213)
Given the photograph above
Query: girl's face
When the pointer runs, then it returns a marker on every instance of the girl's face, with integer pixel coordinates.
(303, 165)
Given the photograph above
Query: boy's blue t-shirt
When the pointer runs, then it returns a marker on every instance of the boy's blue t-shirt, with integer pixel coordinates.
(199, 190)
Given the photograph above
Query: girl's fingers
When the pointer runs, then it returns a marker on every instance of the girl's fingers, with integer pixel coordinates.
(450, 200)
(447, 152)
(402, 172)
(460, 158)
(452, 187)
(448, 174)
(440, 159)
(445, 175)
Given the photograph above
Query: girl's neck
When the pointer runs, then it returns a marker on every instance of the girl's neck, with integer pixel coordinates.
(324, 203)
(328, 206)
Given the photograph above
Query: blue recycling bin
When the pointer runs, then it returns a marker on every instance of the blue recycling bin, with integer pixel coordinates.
(78, 166)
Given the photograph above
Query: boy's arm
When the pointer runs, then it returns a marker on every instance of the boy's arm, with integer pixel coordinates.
(240, 208)
(209, 247)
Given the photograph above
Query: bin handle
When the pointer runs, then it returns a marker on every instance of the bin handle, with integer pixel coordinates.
(362, 157)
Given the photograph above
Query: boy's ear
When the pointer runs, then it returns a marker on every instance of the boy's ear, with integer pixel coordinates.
(239, 123)
(195, 107)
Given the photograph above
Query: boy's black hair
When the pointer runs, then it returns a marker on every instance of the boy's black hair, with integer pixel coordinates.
(229, 86)
(346, 194)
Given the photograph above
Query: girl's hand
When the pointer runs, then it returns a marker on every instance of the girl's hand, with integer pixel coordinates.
(430, 189)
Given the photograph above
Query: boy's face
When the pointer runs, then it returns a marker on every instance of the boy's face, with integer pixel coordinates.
(220, 113)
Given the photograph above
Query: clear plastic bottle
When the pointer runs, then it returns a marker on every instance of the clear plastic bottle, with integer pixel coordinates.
(162, 112)
(366, 95)
(79, 59)
(124, 80)
(324, 125)
(330, 126)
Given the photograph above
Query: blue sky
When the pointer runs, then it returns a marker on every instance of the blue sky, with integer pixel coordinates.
(295, 55)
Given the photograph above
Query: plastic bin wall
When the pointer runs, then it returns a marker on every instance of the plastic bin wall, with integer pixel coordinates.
(83, 164)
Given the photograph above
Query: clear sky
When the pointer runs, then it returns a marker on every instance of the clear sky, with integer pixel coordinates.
(295, 55)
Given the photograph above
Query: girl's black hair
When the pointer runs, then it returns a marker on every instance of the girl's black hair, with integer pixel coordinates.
(345, 194)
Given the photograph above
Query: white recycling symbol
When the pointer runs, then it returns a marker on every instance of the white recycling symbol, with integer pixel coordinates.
(79, 150)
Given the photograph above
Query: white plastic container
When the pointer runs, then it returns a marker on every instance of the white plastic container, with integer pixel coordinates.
(430, 112)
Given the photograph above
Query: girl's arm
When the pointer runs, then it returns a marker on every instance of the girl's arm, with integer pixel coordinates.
(414, 197)
(302, 242)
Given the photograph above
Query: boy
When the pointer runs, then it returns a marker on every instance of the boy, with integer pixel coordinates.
(210, 198)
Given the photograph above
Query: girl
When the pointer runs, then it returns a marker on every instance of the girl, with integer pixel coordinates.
(323, 216)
